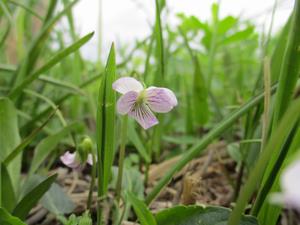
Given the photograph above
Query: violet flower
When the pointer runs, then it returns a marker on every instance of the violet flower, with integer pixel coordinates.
(290, 185)
(72, 160)
(140, 103)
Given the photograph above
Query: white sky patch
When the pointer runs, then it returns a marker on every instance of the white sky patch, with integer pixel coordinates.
(124, 21)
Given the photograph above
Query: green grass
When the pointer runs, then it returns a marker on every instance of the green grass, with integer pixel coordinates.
(233, 83)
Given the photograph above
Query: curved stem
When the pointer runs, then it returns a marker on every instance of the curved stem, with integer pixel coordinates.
(121, 157)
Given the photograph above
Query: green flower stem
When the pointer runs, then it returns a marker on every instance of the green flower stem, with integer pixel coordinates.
(202, 144)
(121, 157)
(93, 177)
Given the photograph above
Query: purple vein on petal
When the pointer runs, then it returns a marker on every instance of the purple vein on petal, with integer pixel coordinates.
(143, 115)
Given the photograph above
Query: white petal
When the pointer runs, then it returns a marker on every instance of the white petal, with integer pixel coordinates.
(126, 84)
(290, 181)
(143, 115)
(161, 100)
(90, 159)
(69, 159)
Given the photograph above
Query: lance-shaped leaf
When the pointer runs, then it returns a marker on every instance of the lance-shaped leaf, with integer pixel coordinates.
(106, 123)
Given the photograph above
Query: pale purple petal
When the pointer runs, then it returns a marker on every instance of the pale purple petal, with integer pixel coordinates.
(126, 84)
(161, 100)
(69, 159)
(90, 159)
(143, 115)
(126, 102)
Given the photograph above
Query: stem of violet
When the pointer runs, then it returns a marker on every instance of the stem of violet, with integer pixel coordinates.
(121, 157)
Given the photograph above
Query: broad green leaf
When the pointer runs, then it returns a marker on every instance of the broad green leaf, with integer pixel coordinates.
(57, 201)
(238, 36)
(33, 197)
(143, 213)
(47, 145)
(105, 134)
(137, 142)
(10, 139)
(8, 198)
(7, 219)
(226, 24)
(191, 23)
(192, 215)
(48, 65)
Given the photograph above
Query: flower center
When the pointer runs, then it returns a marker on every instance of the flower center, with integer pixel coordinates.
(141, 98)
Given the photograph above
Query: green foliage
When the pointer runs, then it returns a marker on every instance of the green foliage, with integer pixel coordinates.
(144, 215)
(48, 144)
(31, 199)
(213, 67)
(106, 123)
(190, 215)
(8, 219)
(10, 138)
(8, 197)
(85, 219)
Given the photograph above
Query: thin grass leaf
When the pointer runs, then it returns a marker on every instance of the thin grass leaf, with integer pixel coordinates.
(26, 141)
(52, 62)
(32, 198)
(7, 68)
(35, 47)
(106, 124)
(143, 213)
(7, 219)
(25, 7)
(5, 9)
(200, 95)
(105, 133)
(48, 144)
(159, 78)
(49, 102)
(138, 143)
(7, 190)
(62, 84)
(10, 138)
(290, 68)
(274, 145)
(46, 111)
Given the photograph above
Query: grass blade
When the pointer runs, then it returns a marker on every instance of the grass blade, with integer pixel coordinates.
(26, 141)
(53, 61)
(290, 68)
(7, 218)
(143, 213)
(105, 134)
(48, 144)
(274, 145)
(32, 198)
